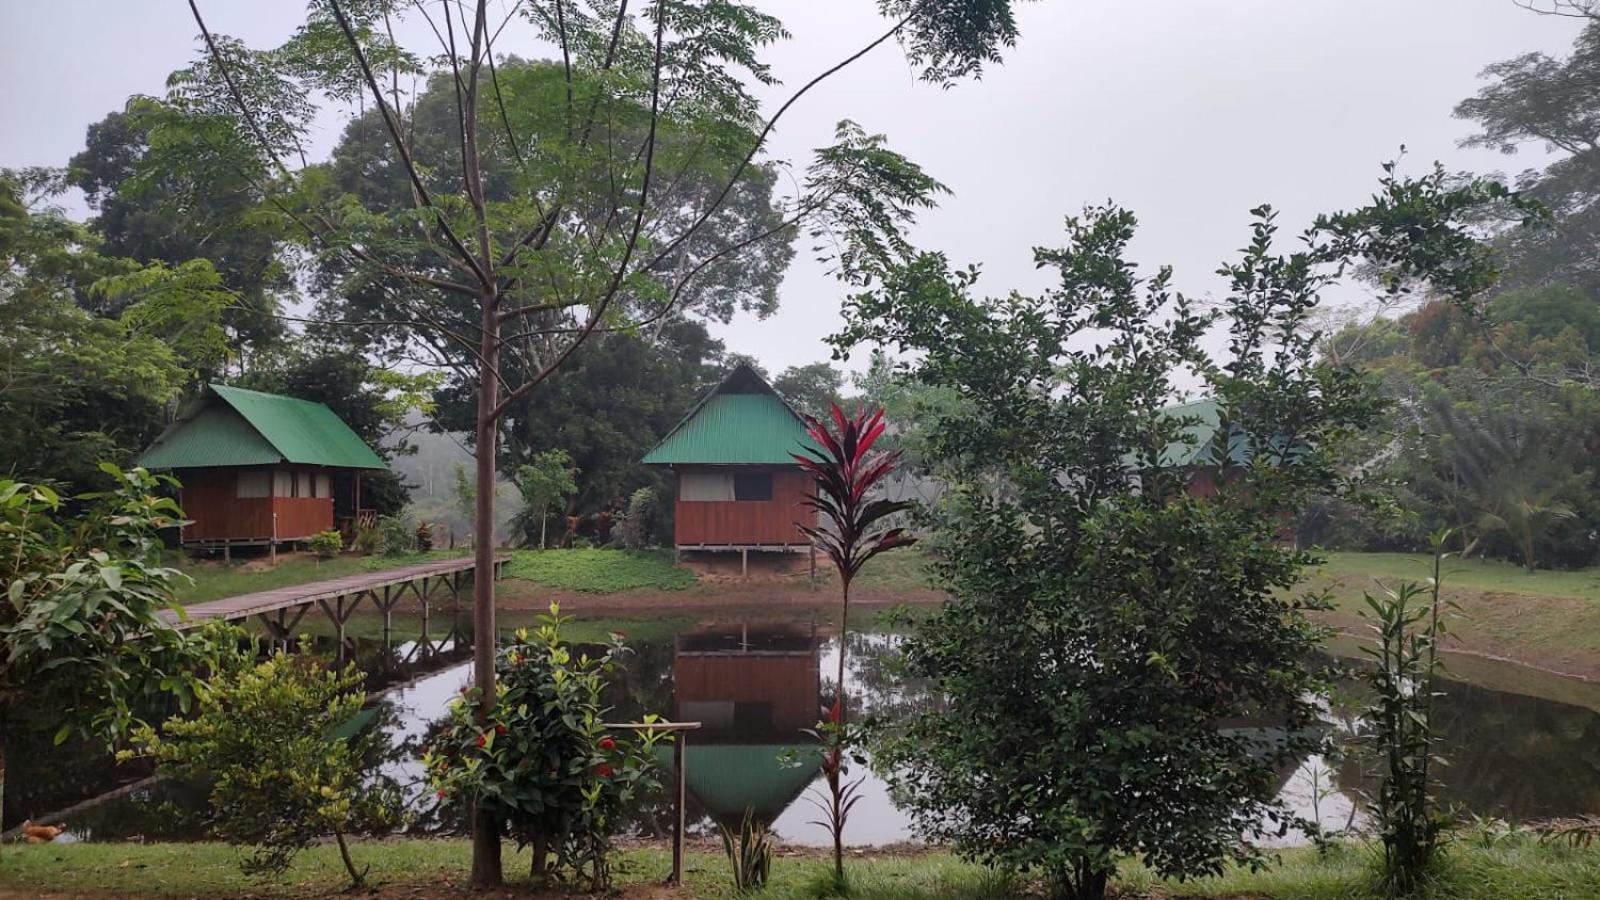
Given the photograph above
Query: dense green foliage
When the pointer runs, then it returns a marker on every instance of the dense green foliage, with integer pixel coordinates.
(164, 193)
(1103, 619)
(542, 760)
(94, 346)
(545, 484)
(1485, 431)
(89, 648)
(270, 737)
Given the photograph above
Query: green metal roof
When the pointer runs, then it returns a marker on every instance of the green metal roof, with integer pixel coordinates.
(741, 422)
(1200, 433)
(1200, 449)
(236, 427)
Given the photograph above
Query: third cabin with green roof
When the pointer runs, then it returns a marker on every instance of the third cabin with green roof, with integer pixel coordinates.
(738, 487)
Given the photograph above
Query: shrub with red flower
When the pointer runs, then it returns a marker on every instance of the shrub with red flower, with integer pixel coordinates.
(543, 762)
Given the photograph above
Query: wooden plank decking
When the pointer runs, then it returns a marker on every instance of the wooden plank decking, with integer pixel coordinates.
(381, 584)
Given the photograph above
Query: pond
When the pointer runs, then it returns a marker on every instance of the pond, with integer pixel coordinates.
(1521, 745)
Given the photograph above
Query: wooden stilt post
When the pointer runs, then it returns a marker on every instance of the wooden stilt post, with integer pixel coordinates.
(744, 562)
(274, 545)
(678, 804)
(387, 606)
(424, 642)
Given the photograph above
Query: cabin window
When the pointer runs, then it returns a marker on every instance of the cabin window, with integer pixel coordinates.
(705, 487)
(283, 484)
(303, 484)
(324, 485)
(755, 486)
(253, 483)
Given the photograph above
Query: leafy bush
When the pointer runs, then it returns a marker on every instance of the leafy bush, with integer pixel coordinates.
(542, 761)
(326, 544)
(267, 735)
(368, 542)
(424, 537)
(1108, 612)
(86, 647)
(396, 535)
(638, 522)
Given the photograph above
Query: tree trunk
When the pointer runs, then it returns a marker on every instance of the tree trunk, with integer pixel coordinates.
(357, 878)
(486, 865)
(543, 521)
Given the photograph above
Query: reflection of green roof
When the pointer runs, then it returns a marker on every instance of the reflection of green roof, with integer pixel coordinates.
(741, 422)
(234, 427)
(728, 779)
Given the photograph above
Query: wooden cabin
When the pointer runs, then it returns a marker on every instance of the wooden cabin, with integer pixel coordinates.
(262, 469)
(1197, 455)
(737, 486)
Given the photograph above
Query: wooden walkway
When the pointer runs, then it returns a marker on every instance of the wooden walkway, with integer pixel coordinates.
(281, 609)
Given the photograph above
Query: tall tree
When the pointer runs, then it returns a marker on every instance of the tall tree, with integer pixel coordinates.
(587, 237)
(605, 408)
(162, 201)
(78, 387)
(813, 389)
(1554, 103)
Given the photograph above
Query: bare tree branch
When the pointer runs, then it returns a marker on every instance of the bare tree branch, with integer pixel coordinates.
(400, 146)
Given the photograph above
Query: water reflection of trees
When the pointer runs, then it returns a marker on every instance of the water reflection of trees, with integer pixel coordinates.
(1510, 755)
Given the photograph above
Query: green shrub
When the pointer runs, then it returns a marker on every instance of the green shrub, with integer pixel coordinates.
(368, 542)
(398, 537)
(1398, 728)
(326, 544)
(639, 521)
(282, 777)
(541, 761)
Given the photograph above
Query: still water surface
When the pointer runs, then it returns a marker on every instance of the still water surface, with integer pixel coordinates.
(1520, 745)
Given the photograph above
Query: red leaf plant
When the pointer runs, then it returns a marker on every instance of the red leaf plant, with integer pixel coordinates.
(850, 531)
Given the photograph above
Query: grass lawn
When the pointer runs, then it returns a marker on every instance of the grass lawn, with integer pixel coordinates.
(1477, 574)
(599, 571)
(1548, 620)
(1513, 867)
(214, 579)
(904, 569)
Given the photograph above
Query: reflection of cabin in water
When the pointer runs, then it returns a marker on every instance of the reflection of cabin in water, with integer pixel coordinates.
(738, 486)
(262, 469)
(755, 689)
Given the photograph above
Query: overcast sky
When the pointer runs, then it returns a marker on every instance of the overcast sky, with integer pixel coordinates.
(1187, 112)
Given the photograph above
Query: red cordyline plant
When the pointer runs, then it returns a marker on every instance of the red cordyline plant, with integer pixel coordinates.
(850, 531)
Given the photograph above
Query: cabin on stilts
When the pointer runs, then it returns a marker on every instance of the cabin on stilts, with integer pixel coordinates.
(738, 487)
(262, 469)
